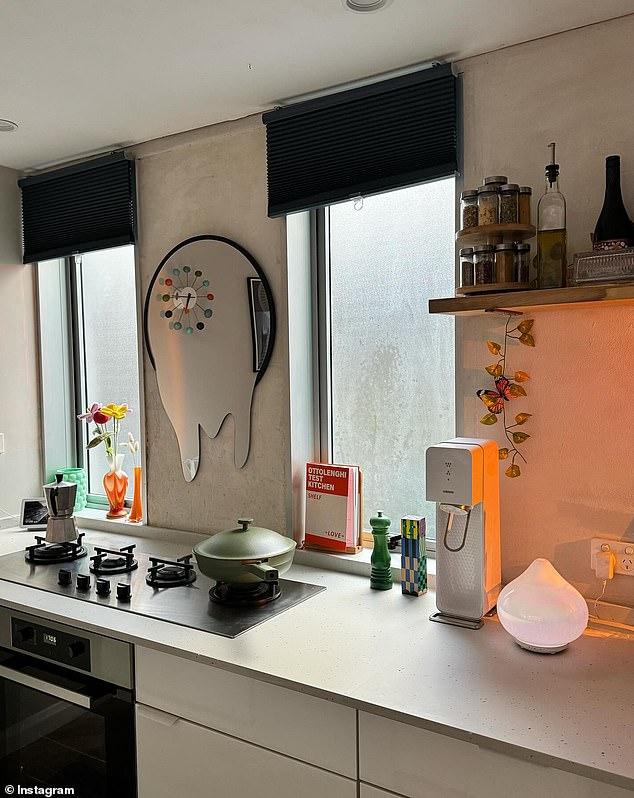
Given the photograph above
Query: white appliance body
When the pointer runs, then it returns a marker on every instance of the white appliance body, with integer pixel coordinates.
(463, 479)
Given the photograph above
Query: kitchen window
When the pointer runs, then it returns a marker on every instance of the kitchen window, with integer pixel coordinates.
(90, 353)
(386, 367)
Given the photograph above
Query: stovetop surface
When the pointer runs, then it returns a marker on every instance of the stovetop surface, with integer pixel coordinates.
(188, 605)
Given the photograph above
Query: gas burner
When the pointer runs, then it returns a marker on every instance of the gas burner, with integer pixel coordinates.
(113, 561)
(170, 573)
(43, 553)
(253, 594)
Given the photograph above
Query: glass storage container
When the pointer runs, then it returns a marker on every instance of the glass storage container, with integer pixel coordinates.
(466, 267)
(524, 203)
(495, 181)
(505, 263)
(509, 206)
(483, 261)
(469, 209)
(522, 263)
(487, 205)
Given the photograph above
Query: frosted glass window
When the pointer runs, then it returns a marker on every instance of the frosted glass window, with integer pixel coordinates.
(109, 371)
(392, 364)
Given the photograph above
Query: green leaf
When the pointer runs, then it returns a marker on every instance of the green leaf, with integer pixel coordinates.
(489, 419)
(522, 418)
(95, 442)
(520, 437)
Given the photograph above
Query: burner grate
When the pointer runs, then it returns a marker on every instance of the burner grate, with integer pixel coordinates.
(113, 561)
(43, 553)
(170, 573)
(252, 594)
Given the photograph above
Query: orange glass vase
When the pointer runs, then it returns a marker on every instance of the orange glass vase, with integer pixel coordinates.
(115, 483)
(136, 513)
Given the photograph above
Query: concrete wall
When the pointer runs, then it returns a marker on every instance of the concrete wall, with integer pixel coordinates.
(214, 181)
(576, 89)
(19, 388)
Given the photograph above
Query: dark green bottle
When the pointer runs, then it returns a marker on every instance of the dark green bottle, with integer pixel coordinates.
(381, 574)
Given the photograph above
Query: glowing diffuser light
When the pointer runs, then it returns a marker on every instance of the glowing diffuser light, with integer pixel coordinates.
(541, 610)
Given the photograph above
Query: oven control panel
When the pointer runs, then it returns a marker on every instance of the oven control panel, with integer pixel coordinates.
(51, 644)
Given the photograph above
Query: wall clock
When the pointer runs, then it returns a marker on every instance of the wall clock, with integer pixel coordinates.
(209, 324)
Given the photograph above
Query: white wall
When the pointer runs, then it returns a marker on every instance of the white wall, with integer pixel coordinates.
(576, 89)
(19, 389)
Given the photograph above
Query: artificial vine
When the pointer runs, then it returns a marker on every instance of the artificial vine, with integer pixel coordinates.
(505, 390)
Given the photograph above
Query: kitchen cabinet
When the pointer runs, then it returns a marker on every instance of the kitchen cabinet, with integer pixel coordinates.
(416, 763)
(312, 729)
(177, 757)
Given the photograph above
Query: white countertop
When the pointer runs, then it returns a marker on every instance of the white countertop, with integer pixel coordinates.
(377, 651)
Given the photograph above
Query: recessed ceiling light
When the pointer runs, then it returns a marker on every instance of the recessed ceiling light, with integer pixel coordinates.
(7, 127)
(366, 5)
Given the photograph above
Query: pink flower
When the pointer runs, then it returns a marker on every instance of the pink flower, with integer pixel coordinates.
(89, 415)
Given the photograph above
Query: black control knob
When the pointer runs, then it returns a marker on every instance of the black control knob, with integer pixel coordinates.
(64, 577)
(103, 587)
(26, 634)
(123, 591)
(76, 649)
(83, 581)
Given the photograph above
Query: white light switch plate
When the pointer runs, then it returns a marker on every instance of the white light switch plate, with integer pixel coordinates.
(623, 551)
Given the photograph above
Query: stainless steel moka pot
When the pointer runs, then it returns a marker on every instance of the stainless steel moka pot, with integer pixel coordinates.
(60, 500)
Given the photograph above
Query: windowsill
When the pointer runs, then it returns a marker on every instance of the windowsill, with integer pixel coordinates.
(93, 518)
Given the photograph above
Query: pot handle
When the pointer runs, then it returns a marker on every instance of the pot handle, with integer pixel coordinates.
(266, 572)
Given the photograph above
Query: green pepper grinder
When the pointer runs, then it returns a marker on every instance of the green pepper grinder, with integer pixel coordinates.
(381, 574)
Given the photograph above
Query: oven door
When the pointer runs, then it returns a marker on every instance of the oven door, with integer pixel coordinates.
(59, 728)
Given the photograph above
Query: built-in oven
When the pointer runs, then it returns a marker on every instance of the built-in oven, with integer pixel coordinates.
(66, 710)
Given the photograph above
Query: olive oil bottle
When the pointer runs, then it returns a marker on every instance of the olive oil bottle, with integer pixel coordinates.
(551, 230)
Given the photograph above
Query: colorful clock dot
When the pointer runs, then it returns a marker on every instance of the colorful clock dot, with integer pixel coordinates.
(189, 330)
(177, 325)
(161, 281)
(210, 297)
(200, 325)
(206, 283)
(186, 269)
(176, 272)
(166, 297)
(186, 310)
(168, 314)
(168, 281)
(198, 273)
(171, 325)
(209, 313)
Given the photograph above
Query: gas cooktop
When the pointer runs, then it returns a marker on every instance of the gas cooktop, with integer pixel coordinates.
(157, 587)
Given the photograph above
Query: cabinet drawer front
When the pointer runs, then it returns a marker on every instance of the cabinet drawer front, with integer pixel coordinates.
(424, 764)
(308, 728)
(178, 758)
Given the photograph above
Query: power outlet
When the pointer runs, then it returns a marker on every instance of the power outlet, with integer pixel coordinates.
(623, 551)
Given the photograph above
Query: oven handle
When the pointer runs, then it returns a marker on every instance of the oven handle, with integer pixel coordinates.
(79, 699)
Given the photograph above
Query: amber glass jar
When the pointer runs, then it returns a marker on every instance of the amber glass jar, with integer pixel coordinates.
(505, 263)
(524, 203)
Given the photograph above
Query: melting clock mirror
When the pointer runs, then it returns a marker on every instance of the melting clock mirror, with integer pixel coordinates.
(209, 325)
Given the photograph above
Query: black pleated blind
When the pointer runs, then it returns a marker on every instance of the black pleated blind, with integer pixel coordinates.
(374, 138)
(79, 208)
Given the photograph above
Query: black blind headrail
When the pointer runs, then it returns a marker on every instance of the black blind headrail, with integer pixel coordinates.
(374, 138)
(79, 208)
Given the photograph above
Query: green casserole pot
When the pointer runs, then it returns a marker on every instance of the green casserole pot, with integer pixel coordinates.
(245, 554)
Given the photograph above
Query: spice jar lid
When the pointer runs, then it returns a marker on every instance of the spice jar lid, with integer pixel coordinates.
(483, 248)
(488, 189)
(504, 247)
(469, 193)
(526, 190)
(466, 251)
(501, 179)
(509, 187)
(523, 247)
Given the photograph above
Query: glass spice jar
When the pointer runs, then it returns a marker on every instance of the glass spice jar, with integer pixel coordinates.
(509, 207)
(505, 263)
(487, 205)
(469, 209)
(522, 263)
(483, 264)
(466, 266)
(525, 204)
(495, 181)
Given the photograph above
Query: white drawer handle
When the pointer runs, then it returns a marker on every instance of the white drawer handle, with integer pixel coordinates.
(157, 715)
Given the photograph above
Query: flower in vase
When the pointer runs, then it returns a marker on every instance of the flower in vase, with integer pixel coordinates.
(118, 412)
(93, 414)
(132, 446)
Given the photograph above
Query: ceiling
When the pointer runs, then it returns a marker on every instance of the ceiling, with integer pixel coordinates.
(80, 76)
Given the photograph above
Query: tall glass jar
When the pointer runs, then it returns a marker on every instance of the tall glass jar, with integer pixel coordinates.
(495, 181)
(505, 263)
(483, 264)
(525, 196)
(509, 206)
(522, 263)
(469, 209)
(487, 205)
(466, 267)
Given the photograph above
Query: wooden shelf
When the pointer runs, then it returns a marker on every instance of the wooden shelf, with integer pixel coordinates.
(495, 233)
(533, 300)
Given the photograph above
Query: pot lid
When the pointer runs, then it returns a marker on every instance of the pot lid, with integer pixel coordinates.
(245, 542)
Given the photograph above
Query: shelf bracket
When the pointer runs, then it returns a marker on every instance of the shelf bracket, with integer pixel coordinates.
(507, 312)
